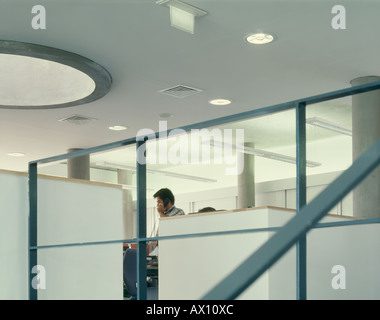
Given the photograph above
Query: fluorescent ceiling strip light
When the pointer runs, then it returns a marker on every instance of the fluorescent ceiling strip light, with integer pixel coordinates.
(263, 153)
(328, 125)
(164, 173)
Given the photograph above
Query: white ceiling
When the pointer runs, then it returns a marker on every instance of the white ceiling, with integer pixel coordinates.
(134, 41)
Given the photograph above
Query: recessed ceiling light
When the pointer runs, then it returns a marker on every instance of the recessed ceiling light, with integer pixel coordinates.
(16, 154)
(260, 38)
(220, 102)
(118, 128)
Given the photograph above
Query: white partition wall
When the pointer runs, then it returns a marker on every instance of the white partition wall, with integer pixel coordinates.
(72, 212)
(13, 236)
(342, 262)
(78, 212)
(69, 212)
(82, 272)
(188, 268)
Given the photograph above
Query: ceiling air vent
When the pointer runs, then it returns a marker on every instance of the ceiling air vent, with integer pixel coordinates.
(180, 91)
(77, 119)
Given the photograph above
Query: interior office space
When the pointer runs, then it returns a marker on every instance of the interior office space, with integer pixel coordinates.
(158, 76)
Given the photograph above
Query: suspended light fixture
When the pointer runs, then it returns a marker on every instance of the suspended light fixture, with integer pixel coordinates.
(262, 153)
(105, 164)
(318, 122)
(182, 15)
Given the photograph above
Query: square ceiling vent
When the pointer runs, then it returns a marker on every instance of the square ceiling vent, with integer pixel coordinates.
(180, 91)
(77, 119)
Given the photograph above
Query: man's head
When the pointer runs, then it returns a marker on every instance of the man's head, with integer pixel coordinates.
(163, 195)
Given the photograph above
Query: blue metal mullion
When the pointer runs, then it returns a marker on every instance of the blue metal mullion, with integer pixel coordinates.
(32, 228)
(84, 152)
(141, 220)
(301, 247)
(353, 222)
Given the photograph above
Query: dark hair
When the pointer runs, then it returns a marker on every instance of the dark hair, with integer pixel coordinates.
(206, 209)
(163, 194)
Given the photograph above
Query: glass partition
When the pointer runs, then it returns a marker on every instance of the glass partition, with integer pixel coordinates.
(212, 167)
(242, 164)
(329, 142)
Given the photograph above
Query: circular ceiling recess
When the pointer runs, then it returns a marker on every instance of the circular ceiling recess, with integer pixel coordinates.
(39, 77)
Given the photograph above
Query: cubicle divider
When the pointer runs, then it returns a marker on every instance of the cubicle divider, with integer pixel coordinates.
(341, 263)
(79, 212)
(275, 250)
(13, 235)
(70, 212)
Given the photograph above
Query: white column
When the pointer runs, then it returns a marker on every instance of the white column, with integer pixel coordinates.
(246, 180)
(129, 218)
(365, 131)
(78, 167)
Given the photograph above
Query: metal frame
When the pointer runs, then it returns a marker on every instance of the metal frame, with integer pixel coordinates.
(301, 197)
(32, 224)
(294, 232)
(141, 223)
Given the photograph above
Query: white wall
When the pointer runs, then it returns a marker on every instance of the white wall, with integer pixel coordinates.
(79, 212)
(82, 272)
(13, 236)
(68, 212)
(189, 268)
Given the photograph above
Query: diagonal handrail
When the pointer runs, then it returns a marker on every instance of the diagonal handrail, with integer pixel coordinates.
(254, 266)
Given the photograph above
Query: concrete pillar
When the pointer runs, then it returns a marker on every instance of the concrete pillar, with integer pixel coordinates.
(129, 217)
(365, 131)
(246, 180)
(79, 167)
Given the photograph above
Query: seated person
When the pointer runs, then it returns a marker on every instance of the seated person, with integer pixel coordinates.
(206, 209)
(165, 204)
(165, 208)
